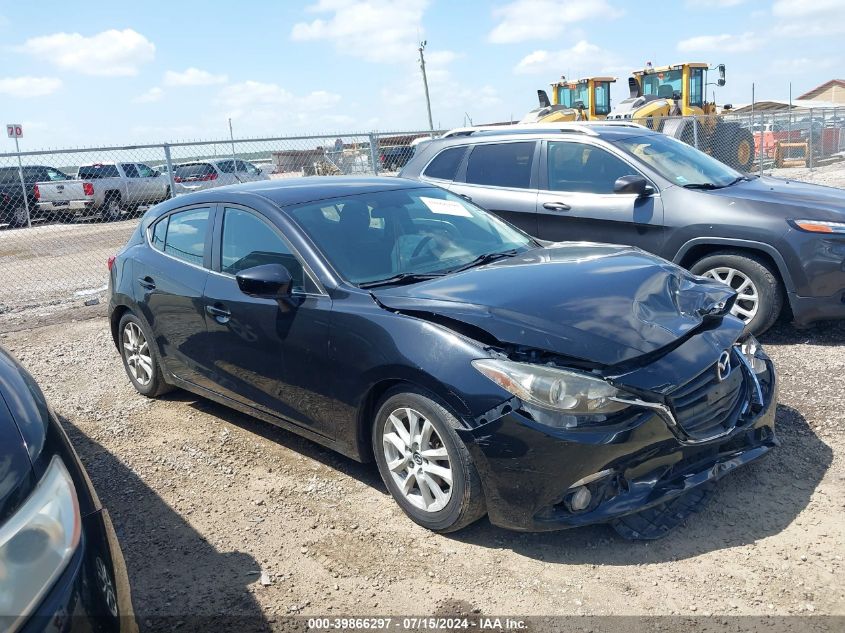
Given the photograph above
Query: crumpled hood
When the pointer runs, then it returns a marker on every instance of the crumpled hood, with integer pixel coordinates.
(790, 197)
(600, 303)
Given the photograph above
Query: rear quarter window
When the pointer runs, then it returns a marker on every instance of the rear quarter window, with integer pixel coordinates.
(445, 164)
(93, 172)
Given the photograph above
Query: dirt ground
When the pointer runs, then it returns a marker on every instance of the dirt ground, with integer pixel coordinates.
(204, 499)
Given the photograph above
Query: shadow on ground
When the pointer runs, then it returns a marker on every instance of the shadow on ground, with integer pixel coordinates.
(178, 580)
(821, 333)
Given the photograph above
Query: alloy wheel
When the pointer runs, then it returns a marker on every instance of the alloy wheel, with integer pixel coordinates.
(19, 216)
(748, 298)
(136, 351)
(417, 459)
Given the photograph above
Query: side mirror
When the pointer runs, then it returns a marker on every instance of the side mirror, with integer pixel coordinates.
(636, 185)
(721, 80)
(272, 281)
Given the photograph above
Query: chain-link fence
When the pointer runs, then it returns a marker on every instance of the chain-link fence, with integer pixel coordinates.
(64, 212)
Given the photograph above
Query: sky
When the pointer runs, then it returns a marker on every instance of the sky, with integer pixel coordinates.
(86, 73)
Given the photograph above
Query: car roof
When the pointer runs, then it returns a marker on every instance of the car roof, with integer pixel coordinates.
(292, 191)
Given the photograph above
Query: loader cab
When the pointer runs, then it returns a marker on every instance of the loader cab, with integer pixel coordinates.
(684, 84)
(591, 95)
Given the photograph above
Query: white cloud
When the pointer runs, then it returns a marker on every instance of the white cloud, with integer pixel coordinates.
(150, 96)
(804, 18)
(193, 77)
(375, 30)
(23, 87)
(799, 65)
(721, 43)
(709, 4)
(112, 52)
(261, 106)
(531, 20)
(583, 55)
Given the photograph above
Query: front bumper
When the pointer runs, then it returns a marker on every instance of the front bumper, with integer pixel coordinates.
(807, 310)
(93, 592)
(528, 469)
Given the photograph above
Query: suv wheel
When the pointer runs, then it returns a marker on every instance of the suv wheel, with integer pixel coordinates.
(17, 217)
(760, 296)
(140, 359)
(424, 463)
(112, 211)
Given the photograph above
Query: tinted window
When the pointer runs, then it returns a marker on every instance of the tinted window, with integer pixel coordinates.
(186, 235)
(92, 172)
(55, 174)
(501, 164)
(130, 170)
(8, 176)
(145, 171)
(226, 166)
(193, 170)
(446, 163)
(159, 233)
(249, 241)
(584, 168)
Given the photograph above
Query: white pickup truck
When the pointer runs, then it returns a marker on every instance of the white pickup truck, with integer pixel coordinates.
(107, 188)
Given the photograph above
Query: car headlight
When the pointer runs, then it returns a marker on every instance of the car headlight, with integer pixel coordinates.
(753, 354)
(36, 544)
(819, 226)
(581, 398)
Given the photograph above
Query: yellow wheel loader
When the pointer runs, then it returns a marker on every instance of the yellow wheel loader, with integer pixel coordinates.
(580, 100)
(659, 97)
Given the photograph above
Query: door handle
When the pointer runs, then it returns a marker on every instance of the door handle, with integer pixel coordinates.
(556, 206)
(220, 314)
(147, 282)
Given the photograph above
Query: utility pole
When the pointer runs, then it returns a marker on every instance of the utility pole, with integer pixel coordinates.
(425, 85)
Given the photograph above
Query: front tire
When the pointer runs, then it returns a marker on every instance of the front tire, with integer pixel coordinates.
(424, 464)
(760, 297)
(140, 358)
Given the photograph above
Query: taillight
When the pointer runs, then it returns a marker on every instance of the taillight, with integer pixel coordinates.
(177, 179)
(36, 192)
(211, 176)
(88, 188)
(111, 262)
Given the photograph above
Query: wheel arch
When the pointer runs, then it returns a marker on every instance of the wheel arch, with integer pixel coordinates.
(697, 248)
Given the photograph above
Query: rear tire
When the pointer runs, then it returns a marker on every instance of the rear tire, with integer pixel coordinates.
(760, 301)
(111, 209)
(17, 217)
(140, 357)
(416, 436)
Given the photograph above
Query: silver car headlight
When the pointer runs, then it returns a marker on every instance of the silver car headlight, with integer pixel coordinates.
(753, 354)
(580, 397)
(37, 543)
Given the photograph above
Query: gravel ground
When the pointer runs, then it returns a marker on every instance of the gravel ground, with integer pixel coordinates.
(205, 499)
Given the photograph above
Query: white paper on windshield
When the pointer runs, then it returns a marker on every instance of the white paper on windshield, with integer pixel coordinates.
(446, 207)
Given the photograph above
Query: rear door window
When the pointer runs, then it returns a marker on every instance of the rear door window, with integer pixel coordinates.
(93, 172)
(583, 168)
(226, 166)
(186, 235)
(145, 171)
(193, 171)
(130, 170)
(445, 164)
(502, 164)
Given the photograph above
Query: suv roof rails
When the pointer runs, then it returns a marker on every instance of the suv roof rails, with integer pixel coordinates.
(579, 127)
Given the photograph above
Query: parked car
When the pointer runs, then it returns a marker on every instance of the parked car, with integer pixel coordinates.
(484, 373)
(206, 174)
(13, 204)
(772, 240)
(394, 158)
(106, 188)
(60, 561)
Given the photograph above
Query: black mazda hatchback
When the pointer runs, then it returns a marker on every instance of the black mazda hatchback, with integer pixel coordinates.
(546, 385)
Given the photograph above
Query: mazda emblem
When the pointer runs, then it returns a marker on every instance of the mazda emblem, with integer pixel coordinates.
(723, 367)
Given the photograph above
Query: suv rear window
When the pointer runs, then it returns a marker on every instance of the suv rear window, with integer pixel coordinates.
(446, 163)
(501, 164)
(93, 172)
(193, 170)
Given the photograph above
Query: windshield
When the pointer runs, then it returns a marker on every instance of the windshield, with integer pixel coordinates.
(376, 236)
(670, 81)
(678, 162)
(568, 97)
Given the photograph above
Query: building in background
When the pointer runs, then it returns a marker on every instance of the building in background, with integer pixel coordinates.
(830, 92)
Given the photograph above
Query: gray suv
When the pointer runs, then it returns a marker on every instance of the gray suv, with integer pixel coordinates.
(776, 242)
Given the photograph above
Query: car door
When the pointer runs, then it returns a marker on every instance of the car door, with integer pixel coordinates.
(169, 280)
(133, 183)
(153, 186)
(576, 200)
(269, 353)
(502, 178)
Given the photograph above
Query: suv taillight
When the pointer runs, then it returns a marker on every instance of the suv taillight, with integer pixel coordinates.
(88, 188)
(36, 192)
(111, 262)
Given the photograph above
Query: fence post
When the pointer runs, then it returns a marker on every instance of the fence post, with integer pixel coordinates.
(170, 170)
(374, 152)
(695, 131)
(23, 185)
(810, 145)
(762, 141)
